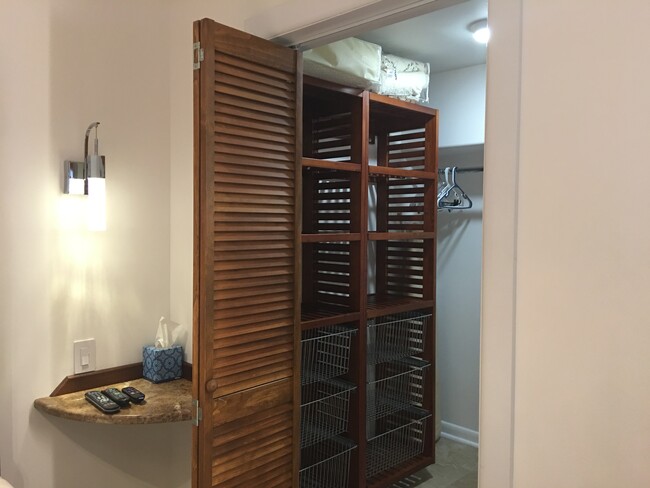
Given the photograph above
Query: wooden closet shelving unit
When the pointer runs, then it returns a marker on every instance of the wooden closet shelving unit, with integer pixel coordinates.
(389, 314)
(307, 370)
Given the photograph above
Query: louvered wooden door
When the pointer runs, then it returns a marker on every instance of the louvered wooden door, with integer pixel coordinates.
(247, 97)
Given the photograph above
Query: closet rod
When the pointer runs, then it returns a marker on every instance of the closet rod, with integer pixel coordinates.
(465, 170)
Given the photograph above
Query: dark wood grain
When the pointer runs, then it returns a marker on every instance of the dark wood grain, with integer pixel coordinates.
(297, 290)
(85, 381)
(330, 237)
(360, 263)
(197, 302)
(281, 218)
(403, 173)
(335, 165)
(384, 236)
(247, 258)
(311, 81)
(402, 107)
(118, 374)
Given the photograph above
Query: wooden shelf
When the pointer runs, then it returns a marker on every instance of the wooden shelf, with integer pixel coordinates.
(330, 237)
(310, 83)
(333, 165)
(396, 115)
(393, 475)
(165, 402)
(312, 318)
(401, 173)
(336, 206)
(399, 107)
(399, 236)
(386, 305)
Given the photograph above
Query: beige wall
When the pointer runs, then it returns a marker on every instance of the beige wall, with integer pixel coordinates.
(579, 335)
(66, 63)
(458, 295)
(581, 346)
(459, 94)
(183, 14)
(582, 416)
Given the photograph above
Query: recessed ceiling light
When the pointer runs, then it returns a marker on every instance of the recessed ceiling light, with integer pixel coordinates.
(480, 31)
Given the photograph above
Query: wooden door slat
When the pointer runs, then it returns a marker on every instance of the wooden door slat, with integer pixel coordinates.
(247, 115)
(247, 253)
(231, 79)
(268, 71)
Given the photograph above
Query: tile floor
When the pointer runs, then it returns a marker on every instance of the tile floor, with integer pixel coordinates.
(456, 467)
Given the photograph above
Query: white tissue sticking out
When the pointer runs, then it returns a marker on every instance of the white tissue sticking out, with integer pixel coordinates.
(169, 333)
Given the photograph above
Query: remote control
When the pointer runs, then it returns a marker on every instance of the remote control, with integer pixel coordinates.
(134, 394)
(117, 396)
(102, 402)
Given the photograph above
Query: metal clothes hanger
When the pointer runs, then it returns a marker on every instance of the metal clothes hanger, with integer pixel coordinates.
(443, 192)
(460, 201)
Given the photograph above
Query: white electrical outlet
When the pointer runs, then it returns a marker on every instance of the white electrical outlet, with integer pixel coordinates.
(84, 356)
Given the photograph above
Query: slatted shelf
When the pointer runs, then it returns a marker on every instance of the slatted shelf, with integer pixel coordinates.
(394, 107)
(329, 197)
(403, 206)
(313, 317)
(405, 236)
(335, 165)
(337, 243)
(403, 273)
(402, 173)
(327, 283)
(379, 305)
(331, 237)
(328, 125)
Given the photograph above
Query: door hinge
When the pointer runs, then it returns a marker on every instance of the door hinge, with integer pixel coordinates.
(197, 413)
(197, 55)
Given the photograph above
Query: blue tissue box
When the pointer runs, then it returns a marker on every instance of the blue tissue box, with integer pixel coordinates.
(162, 364)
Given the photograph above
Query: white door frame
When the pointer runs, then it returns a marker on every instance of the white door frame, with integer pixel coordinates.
(500, 201)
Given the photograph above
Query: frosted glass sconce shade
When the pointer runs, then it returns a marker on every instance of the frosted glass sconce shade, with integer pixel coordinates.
(76, 175)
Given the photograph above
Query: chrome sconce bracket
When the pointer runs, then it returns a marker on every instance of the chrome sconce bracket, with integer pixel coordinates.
(77, 173)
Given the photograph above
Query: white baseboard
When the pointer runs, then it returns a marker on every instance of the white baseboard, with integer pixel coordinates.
(459, 434)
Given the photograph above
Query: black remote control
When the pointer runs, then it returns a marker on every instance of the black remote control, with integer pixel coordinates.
(102, 402)
(134, 394)
(117, 396)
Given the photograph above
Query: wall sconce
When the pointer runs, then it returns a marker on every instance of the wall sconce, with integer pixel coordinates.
(87, 177)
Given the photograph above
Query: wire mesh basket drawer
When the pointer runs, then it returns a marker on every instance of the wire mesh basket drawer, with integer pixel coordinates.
(327, 464)
(397, 336)
(400, 385)
(325, 353)
(398, 438)
(324, 410)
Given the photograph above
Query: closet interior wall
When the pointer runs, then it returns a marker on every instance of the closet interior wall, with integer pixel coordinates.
(368, 345)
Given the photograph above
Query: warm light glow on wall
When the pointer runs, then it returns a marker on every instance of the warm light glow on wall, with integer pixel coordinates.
(96, 216)
(84, 213)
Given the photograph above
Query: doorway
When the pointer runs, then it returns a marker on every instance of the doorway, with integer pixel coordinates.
(456, 86)
(497, 370)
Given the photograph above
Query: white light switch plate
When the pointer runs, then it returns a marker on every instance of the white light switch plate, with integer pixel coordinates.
(84, 356)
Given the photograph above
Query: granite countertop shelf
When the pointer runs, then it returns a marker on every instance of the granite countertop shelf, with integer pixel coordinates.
(164, 402)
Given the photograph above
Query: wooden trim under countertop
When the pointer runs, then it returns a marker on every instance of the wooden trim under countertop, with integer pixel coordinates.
(118, 374)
